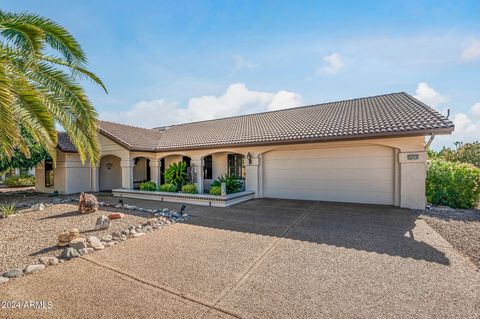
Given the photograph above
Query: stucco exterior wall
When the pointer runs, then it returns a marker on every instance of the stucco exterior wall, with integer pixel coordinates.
(110, 173)
(409, 171)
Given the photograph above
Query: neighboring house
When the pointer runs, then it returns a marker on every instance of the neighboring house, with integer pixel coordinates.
(366, 150)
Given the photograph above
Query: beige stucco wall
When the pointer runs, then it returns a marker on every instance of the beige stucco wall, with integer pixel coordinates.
(409, 175)
(140, 170)
(110, 178)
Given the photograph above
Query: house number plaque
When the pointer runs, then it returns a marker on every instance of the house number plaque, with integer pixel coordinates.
(412, 157)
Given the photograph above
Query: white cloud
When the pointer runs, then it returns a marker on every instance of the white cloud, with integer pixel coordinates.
(241, 63)
(237, 100)
(467, 129)
(471, 53)
(429, 96)
(332, 64)
(475, 109)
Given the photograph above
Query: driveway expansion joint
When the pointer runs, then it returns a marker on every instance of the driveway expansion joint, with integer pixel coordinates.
(261, 258)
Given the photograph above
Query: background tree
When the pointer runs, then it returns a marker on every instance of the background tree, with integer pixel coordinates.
(20, 160)
(40, 66)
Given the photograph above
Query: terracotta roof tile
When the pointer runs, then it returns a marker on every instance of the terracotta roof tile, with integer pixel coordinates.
(395, 114)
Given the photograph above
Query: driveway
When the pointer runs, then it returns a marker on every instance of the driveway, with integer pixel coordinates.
(265, 259)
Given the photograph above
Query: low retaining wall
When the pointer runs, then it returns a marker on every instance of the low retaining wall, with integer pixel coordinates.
(185, 198)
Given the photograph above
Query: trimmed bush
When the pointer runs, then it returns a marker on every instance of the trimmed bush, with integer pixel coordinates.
(190, 188)
(148, 186)
(168, 188)
(22, 180)
(215, 190)
(453, 184)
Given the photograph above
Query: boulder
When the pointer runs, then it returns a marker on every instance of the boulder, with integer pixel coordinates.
(87, 203)
(115, 216)
(78, 243)
(69, 253)
(48, 261)
(67, 236)
(13, 273)
(31, 269)
(102, 223)
(39, 206)
(4, 280)
(95, 243)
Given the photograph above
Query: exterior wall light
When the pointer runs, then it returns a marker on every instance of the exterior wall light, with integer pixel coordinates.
(249, 158)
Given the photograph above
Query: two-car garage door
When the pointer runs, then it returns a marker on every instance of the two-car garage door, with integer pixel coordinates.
(349, 174)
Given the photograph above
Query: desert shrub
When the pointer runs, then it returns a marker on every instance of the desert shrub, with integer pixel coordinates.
(453, 184)
(176, 174)
(8, 209)
(232, 182)
(148, 186)
(168, 188)
(215, 190)
(22, 180)
(190, 188)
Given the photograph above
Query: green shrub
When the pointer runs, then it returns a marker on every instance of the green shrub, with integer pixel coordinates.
(232, 182)
(176, 174)
(148, 186)
(168, 188)
(190, 188)
(22, 180)
(215, 190)
(8, 209)
(453, 184)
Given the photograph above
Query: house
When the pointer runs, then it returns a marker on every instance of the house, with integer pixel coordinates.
(365, 150)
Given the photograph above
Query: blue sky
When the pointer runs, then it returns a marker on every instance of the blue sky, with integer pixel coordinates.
(170, 62)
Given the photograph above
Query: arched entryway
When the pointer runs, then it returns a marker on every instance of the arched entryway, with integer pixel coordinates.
(110, 173)
(141, 171)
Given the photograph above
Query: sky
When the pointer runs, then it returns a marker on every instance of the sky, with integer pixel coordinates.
(169, 62)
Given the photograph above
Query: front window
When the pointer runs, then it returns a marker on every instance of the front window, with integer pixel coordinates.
(207, 167)
(49, 173)
(236, 165)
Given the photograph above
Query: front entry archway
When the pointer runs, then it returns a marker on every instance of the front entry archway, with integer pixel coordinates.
(110, 173)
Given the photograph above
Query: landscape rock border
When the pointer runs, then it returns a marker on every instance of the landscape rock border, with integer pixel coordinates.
(161, 219)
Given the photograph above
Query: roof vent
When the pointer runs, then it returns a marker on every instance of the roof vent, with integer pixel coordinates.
(162, 128)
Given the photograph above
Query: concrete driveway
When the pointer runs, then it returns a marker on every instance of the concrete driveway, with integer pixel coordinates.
(265, 259)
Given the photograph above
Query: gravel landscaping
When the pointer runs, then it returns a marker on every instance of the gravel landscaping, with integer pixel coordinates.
(460, 228)
(34, 234)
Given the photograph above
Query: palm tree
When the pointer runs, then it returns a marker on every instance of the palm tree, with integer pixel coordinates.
(40, 66)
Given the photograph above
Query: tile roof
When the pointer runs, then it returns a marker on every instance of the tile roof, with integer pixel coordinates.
(64, 143)
(396, 114)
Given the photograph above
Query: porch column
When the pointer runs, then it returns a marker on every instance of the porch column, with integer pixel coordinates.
(413, 171)
(155, 166)
(94, 172)
(197, 171)
(127, 174)
(252, 175)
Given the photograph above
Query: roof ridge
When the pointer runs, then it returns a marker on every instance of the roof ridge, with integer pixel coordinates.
(133, 126)
(288, 109)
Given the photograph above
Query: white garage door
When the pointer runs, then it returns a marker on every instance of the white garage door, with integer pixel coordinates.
(350, 174)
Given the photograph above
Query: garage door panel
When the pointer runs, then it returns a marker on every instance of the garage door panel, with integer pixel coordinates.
(348, 174)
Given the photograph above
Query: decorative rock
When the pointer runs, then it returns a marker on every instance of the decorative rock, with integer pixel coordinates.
(110, 244)
(102, 223)
(39, 206)
(95, 243)
(119, 205)
(136, 235)
(13, 273)
(4, 280)
(87, 203)
(101, 203)
(65, 237)
(130, 207)
(86, 251)
(115, 216)
(69, 253)
(48, 261)
(78, 243)
(31, 269)
(107, 238)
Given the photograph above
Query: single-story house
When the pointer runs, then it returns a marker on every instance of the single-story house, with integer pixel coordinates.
(365, 150)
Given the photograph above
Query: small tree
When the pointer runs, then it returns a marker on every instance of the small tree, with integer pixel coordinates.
(20, 160)
(176, 174)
